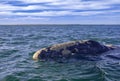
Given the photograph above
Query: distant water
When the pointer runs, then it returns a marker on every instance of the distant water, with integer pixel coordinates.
(18, 43)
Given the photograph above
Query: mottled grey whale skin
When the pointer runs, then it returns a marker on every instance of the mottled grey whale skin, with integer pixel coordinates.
(71, 50)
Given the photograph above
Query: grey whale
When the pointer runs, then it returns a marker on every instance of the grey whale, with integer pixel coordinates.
(71, 50)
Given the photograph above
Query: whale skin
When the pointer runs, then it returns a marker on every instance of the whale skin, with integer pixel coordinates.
(71, 50)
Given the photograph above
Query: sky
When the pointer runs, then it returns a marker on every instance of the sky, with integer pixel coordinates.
(59, 11)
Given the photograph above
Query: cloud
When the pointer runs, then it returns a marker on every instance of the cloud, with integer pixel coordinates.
(38, 1)
(58, 13)
(8, 7)
(84, 5)
(34, 9)
(62, 5)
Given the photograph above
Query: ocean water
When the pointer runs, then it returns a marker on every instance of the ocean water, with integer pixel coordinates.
(19, 42)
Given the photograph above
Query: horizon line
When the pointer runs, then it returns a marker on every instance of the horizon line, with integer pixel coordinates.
(60, 24)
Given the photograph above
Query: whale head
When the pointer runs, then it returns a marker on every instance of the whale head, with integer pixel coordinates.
(39, 54)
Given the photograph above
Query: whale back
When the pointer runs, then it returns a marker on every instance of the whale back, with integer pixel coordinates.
(73, 49)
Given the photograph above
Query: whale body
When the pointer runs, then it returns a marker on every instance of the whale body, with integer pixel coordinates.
(71, 50)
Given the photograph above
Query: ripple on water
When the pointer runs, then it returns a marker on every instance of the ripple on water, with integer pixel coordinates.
(58, 72)
(18, 43)
(7, 52)
(111, 70)
(10, 78)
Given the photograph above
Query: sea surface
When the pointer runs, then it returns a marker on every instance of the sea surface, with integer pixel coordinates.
(19, 42)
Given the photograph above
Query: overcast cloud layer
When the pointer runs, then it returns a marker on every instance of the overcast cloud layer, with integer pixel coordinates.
(59, 11)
